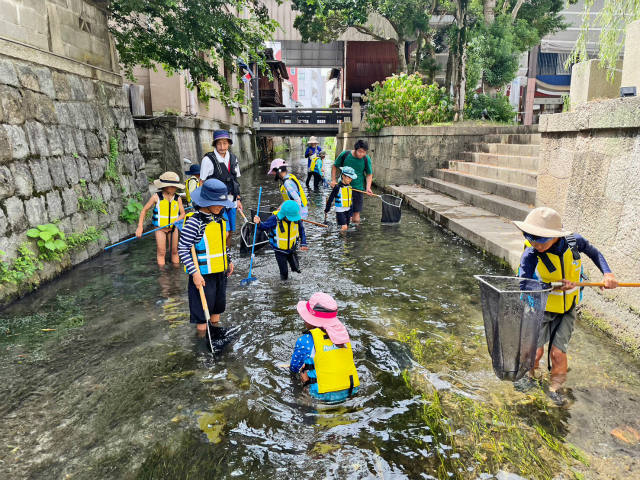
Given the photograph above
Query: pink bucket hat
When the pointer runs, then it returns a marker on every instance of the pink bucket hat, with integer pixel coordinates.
(322, 311)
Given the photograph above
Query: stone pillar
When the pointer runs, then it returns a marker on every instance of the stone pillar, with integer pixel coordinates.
(136, 93)
(589, 82)
(631, 66)
(356, 111)
(531, 85)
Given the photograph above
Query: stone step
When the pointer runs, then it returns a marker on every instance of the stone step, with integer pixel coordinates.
(527, 178)
(503, 207)
(518, 193)
(492, 233)
(519, 138)
(524, 150)
(507, 161)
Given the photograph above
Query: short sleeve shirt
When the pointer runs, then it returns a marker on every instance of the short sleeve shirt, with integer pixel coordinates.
(362, 167)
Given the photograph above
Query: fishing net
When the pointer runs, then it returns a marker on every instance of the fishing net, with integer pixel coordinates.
(512, 309)
(391, 208)
(246, 233)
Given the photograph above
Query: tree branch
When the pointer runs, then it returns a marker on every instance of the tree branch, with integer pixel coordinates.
(371, 33)
(514, 13)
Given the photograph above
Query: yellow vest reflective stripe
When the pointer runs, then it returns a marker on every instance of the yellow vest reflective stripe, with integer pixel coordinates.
(165, 211)
(559, 267)
(211, 250)
(334, 366)
(192, 184)
(285, 194)
(344, 197)
(285, 234)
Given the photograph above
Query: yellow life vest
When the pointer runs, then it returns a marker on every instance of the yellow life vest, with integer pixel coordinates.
(165, 212)
(553, 268)
(334, 366)
(192, 184)
(316, 161)
(285, 194)
(344, 197)
(285, 234)
(212, 247)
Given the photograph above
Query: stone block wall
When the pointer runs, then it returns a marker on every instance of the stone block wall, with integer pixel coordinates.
(55, 130)
(165, 141)
(403, 155)
(590, 173)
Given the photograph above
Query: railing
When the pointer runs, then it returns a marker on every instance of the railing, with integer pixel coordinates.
(311, 116)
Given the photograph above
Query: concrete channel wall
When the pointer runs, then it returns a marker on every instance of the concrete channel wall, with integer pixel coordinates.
(590, 173)
(403, 155)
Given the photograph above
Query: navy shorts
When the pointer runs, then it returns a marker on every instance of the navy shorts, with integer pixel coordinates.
(356, 198)
(215, 291)
(343, 218)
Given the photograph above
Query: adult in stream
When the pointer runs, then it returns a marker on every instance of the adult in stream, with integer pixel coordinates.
(361, 164)
(553, 255)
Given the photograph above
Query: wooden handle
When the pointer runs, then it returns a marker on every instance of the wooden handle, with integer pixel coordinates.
(203, 299)
(315, 223)
(362, 191)
(596, 284)
(244, 216)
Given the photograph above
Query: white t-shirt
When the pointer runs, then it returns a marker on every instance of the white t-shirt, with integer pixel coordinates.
(206, 166)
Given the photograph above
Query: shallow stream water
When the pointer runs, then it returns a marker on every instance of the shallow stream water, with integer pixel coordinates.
(102, 375)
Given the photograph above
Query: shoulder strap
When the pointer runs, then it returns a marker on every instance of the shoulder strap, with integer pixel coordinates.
(546, 260)
(342, 155)
(573, 245)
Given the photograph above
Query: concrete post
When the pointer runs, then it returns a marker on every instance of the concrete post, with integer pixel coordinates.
(356, 111)
(589, 82)
(531, 85)
(256, 96)
(631, 65)
(136, 93)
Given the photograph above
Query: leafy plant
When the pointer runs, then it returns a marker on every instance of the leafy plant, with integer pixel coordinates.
(77, 240)
(566, 103)
(131, 211)
(50, 240)
(111, 172)
(22, 268)
(403, 100)
(90, 203)
(496, 109)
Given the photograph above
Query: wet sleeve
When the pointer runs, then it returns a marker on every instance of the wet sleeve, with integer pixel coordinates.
(528, 263)
(593, 253)
(269, 223)
(303, 235)
(188, 237)
(302, 350)
(331, 198)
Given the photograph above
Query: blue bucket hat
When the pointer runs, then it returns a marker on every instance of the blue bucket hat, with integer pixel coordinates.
(291, 210)
(194, 169)
(212, 192)
(220, 134)
(349, 172)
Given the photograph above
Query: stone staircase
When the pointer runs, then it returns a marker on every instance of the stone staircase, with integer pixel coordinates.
(482, 191)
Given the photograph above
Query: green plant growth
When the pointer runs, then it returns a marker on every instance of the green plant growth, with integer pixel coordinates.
(566, 103)
(50, 240)
(403, 100)
(90, 203)
(111, 172)
(496, 109)
(22, 268)
(77, 240)
(279, 149)
(131, 211)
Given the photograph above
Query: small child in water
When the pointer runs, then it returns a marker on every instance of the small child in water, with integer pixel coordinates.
(342, 194)
(167, 210)
(284, 228)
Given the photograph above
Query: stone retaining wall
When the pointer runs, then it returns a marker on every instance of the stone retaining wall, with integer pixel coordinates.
(55, 129)
(403, 155)
(165, 141)
(590, 173)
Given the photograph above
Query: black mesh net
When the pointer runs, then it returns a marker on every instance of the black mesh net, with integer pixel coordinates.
(391, 211)
(246, 233)
(512, 310)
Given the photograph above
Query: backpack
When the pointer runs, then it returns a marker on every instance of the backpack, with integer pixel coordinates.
(225, 176)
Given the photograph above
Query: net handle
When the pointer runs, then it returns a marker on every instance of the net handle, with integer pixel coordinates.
(481, 278)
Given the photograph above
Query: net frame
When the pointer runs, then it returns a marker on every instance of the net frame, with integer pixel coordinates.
(512, 319)
(391, 213)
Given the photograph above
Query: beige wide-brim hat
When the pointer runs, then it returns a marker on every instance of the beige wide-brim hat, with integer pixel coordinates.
(168, 179)
(313, 140)
(543, 222)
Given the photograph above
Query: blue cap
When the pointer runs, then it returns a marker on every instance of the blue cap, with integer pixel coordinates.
(291, 210)
(349, 172)
(220, 134)
(194, 169)
(212, 192)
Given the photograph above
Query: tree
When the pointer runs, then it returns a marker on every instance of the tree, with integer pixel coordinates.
(613, 20)
(191, 35)
(326, 20)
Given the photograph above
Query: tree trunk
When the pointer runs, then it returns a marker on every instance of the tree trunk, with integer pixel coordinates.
(489, 11)
(402, 58)
(461, 63)
(449, 75)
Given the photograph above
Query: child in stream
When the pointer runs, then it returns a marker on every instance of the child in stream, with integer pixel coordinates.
(167, 210)
(552, 254)
(323, 356)
(290, 187)
(284, 228)
(206, 231)
(342, 195)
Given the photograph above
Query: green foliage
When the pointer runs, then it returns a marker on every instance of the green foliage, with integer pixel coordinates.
(496, 109)
(111, 172)
(90, 203)
(77, 240)
(191, 35)
(22, 268)
(131, 211)
(50, 240)
(403, 100)
(566, 103)
(612, 20)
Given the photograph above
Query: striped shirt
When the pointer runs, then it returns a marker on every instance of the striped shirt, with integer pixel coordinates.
(192, 232)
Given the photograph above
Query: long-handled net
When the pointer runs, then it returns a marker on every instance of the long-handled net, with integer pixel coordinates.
(246, 233)
(391, 211)
(512, 310)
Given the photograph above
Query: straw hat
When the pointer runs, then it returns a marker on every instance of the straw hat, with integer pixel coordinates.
(322, 311)
(168, 179)
(543, 222)
(313, 140)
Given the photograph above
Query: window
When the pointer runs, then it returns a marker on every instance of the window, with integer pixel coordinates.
(301, 92)
(301, 76)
